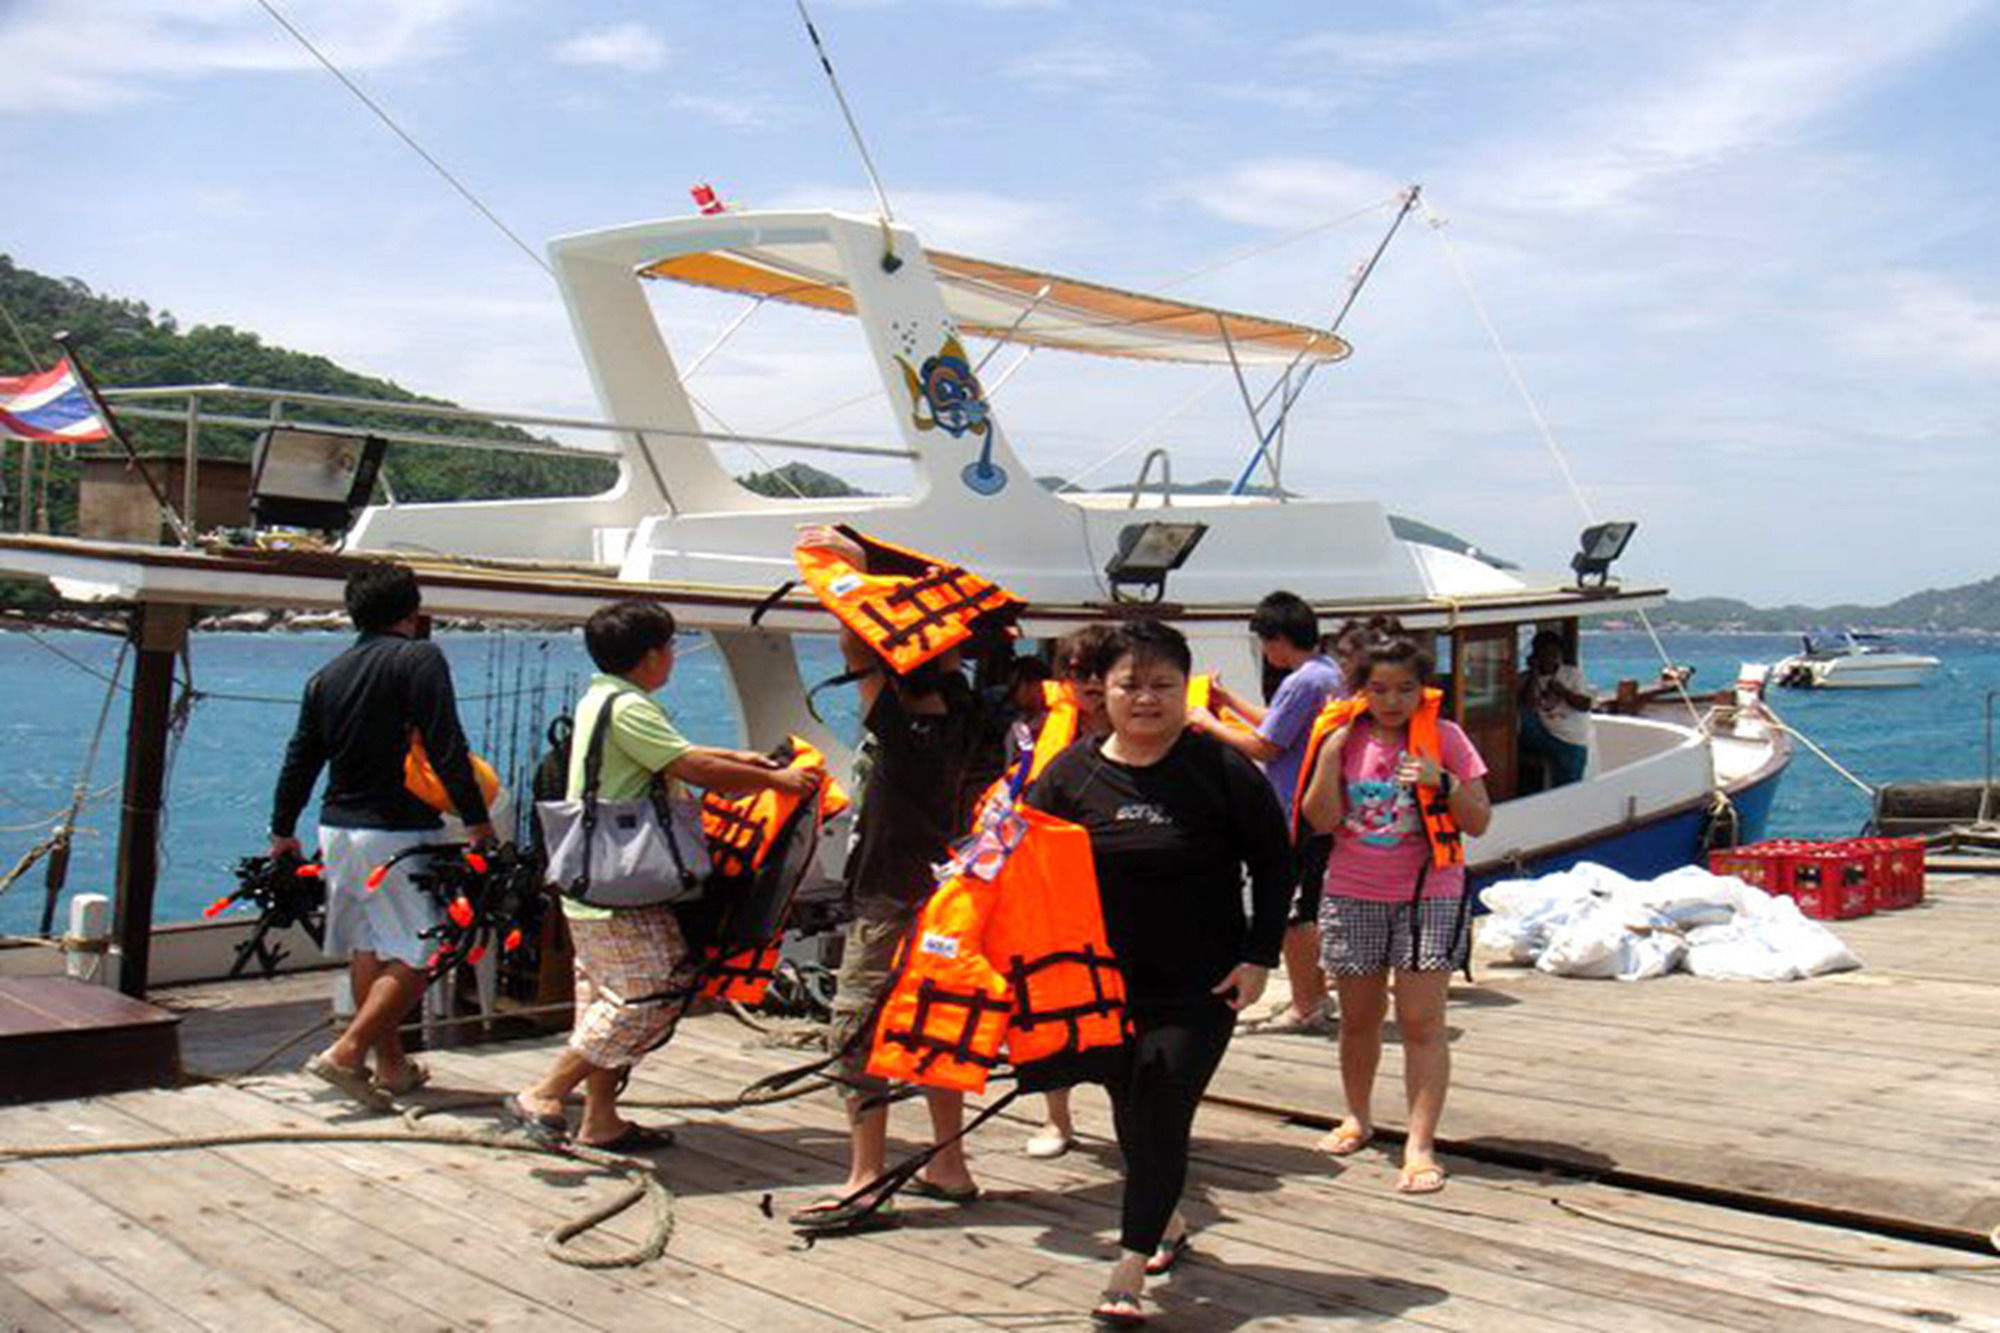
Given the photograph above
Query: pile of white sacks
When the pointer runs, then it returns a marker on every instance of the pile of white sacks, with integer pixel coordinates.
(1590, 921)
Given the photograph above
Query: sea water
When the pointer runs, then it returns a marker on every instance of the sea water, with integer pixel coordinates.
(246, 686)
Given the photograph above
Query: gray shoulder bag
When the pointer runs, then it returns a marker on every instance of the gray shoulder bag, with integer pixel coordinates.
(632, 853)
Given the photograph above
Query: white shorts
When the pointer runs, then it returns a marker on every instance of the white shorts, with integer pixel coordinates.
(389, 921)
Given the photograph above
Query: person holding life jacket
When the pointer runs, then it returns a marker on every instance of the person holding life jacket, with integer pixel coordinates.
(1400, 787)
(1076, 712)
(903, 622)
(1287, 631)
(634, 971)
(356, 721)
(1175, 820)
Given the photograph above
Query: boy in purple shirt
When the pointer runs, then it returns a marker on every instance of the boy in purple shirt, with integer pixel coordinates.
(1288, 631)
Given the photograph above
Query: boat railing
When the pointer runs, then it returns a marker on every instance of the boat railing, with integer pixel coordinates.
(194, 407)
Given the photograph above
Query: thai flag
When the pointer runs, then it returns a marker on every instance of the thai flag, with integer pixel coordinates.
(50, 407)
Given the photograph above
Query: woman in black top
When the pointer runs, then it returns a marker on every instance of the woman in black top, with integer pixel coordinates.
(1175, 819)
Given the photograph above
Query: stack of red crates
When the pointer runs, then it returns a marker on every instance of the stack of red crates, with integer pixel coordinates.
(1831, 881)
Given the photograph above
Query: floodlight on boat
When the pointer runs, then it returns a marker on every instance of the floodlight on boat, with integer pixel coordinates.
(316, 479)
(1147, 553)
(1599, 545)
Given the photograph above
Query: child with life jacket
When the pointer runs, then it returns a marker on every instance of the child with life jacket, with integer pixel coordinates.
(1399, 787)
(1174, 821)
(634, 968)
(923, 722)
(1082, 658)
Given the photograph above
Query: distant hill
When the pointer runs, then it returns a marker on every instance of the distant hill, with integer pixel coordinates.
(798, 479)
(1970, 606)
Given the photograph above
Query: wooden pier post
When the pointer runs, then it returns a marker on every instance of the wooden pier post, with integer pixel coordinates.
(159, 633)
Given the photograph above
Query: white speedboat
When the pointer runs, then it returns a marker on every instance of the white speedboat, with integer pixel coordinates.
(1856, 660)
(677, 527)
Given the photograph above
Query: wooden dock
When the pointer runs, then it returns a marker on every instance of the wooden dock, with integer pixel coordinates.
(1814, 1093)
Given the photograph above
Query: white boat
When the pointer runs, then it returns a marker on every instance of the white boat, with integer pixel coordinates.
(1857, 660)
(678, 528)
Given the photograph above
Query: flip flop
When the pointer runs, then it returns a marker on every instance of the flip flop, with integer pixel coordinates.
(1118, 1309)
(1288, 1022)
(832, 1214)
(634, 1138)
(1345, 1141)
(415, 1075)
(927, 1189)
(550, 1131)
(1162, 1260)
(353, 1082)
(1424, 1178)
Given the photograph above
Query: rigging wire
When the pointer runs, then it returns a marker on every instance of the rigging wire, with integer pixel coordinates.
(271, 8)
(1266, 247)
(1437, 225)
(861, 145)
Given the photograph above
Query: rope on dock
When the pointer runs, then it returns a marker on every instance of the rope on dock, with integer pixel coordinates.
(1988, 1266)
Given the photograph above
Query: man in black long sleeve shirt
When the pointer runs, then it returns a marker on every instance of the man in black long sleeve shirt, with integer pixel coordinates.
(356, 720)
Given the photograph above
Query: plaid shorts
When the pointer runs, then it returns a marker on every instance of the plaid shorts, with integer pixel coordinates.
(1363, 936)
(621, 960)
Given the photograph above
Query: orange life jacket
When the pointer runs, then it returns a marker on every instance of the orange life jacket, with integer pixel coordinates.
(1447, 846)
(757, 845)
(1201, 694)
(907, 606)
(1008, 960)
(423, 782)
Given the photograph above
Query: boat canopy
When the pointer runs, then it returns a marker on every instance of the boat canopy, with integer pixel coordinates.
(993, 300)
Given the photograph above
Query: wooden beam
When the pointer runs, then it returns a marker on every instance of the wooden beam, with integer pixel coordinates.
(159, 633)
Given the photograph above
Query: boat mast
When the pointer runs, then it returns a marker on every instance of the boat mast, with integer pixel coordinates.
(1292, 389)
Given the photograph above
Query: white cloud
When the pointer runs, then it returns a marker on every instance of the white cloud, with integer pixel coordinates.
(1479, 35)
(1927, 322)
(627, 46)
(1757, 84)
(1000, 226)
(729, 111)
(1080, 62)
(1285, 191)
(61, 56)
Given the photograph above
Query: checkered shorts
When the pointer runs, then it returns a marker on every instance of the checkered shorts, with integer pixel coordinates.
(1363, 936)
(620, 961)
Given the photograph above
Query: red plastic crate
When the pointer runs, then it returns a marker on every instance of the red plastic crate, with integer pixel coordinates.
(1897, 870)
(1830, 881)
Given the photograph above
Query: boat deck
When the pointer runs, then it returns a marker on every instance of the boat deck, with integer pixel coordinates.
(1859, 1094)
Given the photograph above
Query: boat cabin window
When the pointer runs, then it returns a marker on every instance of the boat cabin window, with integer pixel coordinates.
(1483, 680)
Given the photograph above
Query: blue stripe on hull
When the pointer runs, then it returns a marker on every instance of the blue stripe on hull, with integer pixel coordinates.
(1650, 849)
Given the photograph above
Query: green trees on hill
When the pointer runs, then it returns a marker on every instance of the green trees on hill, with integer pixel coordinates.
(128, 344)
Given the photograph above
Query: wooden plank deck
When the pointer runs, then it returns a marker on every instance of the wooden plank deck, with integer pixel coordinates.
(362, 1236)
(1872, 1091)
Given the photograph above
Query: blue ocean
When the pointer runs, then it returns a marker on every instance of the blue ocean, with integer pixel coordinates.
(245, 687)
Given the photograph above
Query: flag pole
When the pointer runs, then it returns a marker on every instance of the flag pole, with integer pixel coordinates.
(173, 516)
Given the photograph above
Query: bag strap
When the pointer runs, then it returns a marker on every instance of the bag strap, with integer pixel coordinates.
(593, 772)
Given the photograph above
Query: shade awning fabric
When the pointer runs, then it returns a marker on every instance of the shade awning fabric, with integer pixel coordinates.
(988, 299)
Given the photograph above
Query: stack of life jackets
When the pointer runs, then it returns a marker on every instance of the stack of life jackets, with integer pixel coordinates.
(761, 845)
(1440, 829)
(907, 606)
(1007, 963)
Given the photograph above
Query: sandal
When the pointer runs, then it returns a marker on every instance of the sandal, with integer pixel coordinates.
(1289, 1022)
(1423, 1178)
(1346, 1139)
(633, 1138)
(354, 1082)
(1118, 1309)
(415, 1075)
(833, 1214)
(930, 1189)
(549, 1131)
(1162, 1260)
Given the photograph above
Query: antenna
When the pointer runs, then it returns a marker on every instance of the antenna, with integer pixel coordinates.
(890, 263)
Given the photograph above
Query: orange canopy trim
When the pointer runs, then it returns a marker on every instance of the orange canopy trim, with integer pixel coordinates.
(988, 299)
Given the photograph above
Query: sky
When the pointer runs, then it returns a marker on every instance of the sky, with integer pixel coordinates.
(1739, 256)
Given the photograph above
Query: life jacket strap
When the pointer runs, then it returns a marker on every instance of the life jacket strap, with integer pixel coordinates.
(1096, 967)
(933, 999)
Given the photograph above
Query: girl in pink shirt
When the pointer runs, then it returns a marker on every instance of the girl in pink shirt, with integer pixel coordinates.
(1386, 907)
